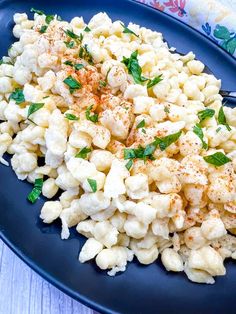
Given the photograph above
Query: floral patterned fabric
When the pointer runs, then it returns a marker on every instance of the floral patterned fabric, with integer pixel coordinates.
(214, 18)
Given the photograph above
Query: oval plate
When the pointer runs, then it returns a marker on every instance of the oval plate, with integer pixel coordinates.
(141, 289)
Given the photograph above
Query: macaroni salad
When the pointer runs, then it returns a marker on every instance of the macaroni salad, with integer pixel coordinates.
(129, 139)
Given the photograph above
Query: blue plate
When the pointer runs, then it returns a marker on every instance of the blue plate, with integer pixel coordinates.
(141, 289)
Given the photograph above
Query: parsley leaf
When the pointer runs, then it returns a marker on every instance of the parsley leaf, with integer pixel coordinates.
(68, 63)
(154, 81)
(72, 83)
(168, 140)
(129, 164)
(18, 96)
(166, 109)
(83, 153)
(198, 131)
(78, 66)
(134, 68)
(129, 153)
(102, 83)
(127, 30)
(204, 114)
(87, 29)
(85, 54)
(73, 35)
(37, 11)
(33, 108)
(43, 29)
(37, 189)
(49, 18)
(141, 124)
(70, 44)
(222, 119)
(94, 117)
(217, 159)
(93, 184)
(70, 116)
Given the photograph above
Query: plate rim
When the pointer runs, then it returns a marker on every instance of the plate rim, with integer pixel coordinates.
(29, 261)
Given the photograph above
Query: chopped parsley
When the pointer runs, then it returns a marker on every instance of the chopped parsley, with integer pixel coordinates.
(141, 124)
(154, 81)
(37, 190)
(76, 66)
(127, 30)
(74, 36)
(147, 152)
(166, 109)
(70, 44)
(83, 153)
(43, 29)
(69, 63)
(129, 164)
(72, 117)
(205, 114)
(72, 83)
(18, 96)
(222, 119)
(85, 54)
(102, 83)
(89, 116)
(33, 108)
(198, 131)
(37, 11)
(93, 184)
(49, 19)
(218, 159)
(134, 68)
(218, 129)
(144, 131)
(87, 29)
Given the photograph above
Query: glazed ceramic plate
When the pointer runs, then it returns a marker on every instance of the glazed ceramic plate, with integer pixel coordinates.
(141, 289)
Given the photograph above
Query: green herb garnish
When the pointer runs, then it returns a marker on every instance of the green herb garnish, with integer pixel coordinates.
(33, 108)
(93, 184)
(83, 153)
(218, 159)
(37, 190)
(43, 29)
(70, 44)
(134, 68)
(49, 18)
(154, 81)
(78, 66)
(89, 116)
(129, 164)
(87, 29)
(85, 54)
(18, 96)
(72, 83)
(141, 124)
(102, 83)
(166, 109)
(205, 114)
(127, 30)
(218, 129)
(198, 131)
(168, 140)
(69, 63)
(37, 11)
(74, 36)
(70, 116)
(222, 119)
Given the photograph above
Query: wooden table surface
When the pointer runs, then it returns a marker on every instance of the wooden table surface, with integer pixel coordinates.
(22, 291)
